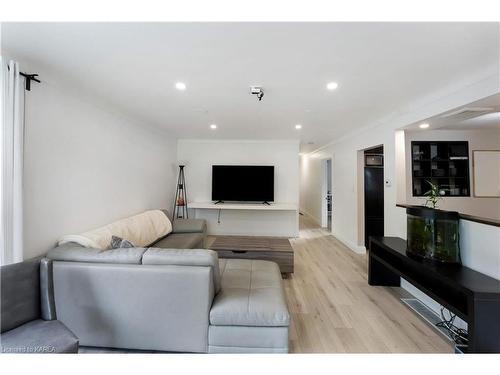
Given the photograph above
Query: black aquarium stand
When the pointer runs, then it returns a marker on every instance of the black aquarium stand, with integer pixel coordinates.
(471, 295)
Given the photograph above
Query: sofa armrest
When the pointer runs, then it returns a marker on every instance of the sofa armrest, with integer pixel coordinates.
(185, 257)
(72, 252)
(47, 303)
(20, 293)
(189, 226)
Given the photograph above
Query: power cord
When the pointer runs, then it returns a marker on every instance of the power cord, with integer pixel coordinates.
(458, 335)
(218, 216)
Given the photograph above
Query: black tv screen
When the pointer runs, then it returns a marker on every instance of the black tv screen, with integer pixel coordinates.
(243, 183)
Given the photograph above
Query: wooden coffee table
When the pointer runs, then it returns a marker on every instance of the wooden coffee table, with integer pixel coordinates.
(276, 249)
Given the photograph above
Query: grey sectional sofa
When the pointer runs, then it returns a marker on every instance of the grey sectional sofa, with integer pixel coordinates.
(28, 321)
(186, 234)
(170, 299)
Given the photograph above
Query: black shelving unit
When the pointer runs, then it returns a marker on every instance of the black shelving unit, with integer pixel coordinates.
(444, 163)
(180, 203)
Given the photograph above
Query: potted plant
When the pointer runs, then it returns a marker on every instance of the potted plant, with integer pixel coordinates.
(432, 233)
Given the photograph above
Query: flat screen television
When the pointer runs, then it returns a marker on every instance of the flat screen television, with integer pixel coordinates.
(243, 183)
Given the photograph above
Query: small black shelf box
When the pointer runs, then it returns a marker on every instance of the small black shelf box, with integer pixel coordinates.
(445, 164)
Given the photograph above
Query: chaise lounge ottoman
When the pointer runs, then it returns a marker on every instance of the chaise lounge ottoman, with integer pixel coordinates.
(249, 314)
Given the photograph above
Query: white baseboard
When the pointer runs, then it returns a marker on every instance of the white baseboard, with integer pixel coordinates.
(358, 249)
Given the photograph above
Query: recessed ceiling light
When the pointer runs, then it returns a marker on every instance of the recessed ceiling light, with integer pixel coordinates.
(332, 85)
(424, 126)
(213, 126)
(180, 86)
(298, 126)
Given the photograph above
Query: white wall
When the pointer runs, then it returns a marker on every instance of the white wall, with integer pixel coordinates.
(85, 166)
(200, 155)
(481, 139)
(479, 242)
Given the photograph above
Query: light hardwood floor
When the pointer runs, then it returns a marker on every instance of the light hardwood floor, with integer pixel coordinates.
(334, 310)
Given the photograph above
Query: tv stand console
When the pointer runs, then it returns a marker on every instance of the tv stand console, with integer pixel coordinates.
(243, 206)
(471, 295)
(279, 219)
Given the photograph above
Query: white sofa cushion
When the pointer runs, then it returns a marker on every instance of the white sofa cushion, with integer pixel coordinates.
(142, 230)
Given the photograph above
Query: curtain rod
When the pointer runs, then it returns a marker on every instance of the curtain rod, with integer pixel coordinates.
(29, 78)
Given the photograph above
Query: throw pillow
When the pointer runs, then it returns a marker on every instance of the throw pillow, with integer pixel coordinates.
(118, 243)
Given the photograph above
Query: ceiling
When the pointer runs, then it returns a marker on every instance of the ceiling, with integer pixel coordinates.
(380, 69)
(481, 114)
(486, 121)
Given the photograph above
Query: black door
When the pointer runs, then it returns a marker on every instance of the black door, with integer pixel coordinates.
(374, 202)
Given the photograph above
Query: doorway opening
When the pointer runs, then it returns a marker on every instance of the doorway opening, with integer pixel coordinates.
(373, 173)
(326, 194)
